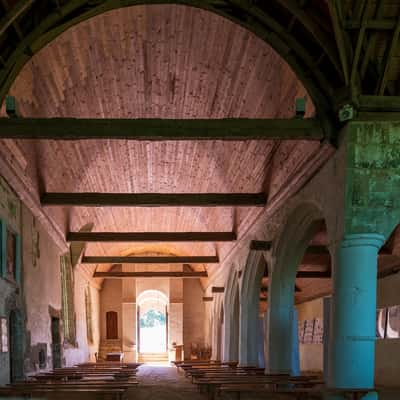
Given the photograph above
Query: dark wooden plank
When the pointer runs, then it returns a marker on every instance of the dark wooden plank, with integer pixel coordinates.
(313, 275)
(151, 274)
(161, 129)
(207, 299)
(151, 236)
(260, 245)
(154, 199)
(217, 289)
(150, 260)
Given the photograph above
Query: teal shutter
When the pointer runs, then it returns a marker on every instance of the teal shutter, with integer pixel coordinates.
(3, 244)
(18, 259)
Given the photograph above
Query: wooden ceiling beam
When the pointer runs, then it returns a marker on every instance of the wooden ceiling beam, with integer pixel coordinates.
(161, 129)
(151, 274)
(150, 260)
(260, 245)
(154, 199)
(13, 14)
(151, 237)
(217, 289)
(311, 275)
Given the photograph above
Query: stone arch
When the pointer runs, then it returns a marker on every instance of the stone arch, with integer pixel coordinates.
(249, 326)
(231, 317)
(300, 227)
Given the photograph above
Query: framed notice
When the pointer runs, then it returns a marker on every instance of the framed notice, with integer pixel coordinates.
(318, 331)
(308, 331)
(301, 325)
(4, 335)
(393, 322)
(381, 322)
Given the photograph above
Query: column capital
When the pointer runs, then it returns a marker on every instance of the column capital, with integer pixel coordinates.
(363, 239)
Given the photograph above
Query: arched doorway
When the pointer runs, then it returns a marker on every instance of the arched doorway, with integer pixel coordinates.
(152, 314)
(16, 346)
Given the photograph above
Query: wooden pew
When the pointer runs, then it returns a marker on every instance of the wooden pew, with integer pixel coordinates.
(212, 385)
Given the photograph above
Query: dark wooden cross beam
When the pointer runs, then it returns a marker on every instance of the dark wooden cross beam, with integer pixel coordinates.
(260, 245)
(150, 260)
(151, 236)
(207, 299)
(264, 289)
(154, 199)
(151, 274)
(311, 274)
(217, 289)
(161, 129)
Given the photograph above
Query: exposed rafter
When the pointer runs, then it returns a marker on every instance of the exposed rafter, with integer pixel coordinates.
(161, 129)
(14, 14)
(150, 260)
(150, 274)
(217, 289)
(154, 199)
(151, 236)
(311, 274)
(260, 245)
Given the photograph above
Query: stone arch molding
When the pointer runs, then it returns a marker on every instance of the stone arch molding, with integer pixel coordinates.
(300, 227)
(249, 331)
(231, 317)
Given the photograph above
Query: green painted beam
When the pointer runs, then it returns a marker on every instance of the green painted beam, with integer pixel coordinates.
(161, 129)
(151, 236)
(154, 199)
(150, 260)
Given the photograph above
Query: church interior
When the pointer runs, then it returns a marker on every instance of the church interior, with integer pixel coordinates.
(200, 199)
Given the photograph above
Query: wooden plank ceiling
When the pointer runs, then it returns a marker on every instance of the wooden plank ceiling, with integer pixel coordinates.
(159, 61)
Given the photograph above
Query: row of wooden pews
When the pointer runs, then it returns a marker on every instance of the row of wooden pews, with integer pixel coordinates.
(217, 379)
(102, 378)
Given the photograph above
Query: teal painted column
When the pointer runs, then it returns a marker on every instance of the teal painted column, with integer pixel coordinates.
(352, 335)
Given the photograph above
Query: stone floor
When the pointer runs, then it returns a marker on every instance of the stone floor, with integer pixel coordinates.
(164, 383)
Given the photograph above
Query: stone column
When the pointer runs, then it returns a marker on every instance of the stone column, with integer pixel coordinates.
(352, 336)
(249, 333)
(283, 341)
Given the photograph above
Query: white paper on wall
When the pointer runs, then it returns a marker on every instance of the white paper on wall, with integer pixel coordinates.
(4, 335)
(318, 331)
(381, 319)
(393, 322)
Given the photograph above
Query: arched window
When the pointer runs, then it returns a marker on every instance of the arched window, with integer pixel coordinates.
(112, 324)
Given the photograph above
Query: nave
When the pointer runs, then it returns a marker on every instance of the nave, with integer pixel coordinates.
(210, 182)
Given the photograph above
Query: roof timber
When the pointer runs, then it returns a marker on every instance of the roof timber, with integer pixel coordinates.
(151, 274)
(161, 129)
(14, 13)
(154, 199)
(150, 260)
(151, 236)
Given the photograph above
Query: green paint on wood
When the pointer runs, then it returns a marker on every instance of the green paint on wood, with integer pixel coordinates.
(372, 177)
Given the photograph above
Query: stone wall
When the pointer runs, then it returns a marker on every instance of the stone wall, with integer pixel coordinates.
(193, 315)
(311, 355)
(38, 298)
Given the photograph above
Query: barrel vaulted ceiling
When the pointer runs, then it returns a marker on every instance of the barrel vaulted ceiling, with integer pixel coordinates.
(160, 61)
